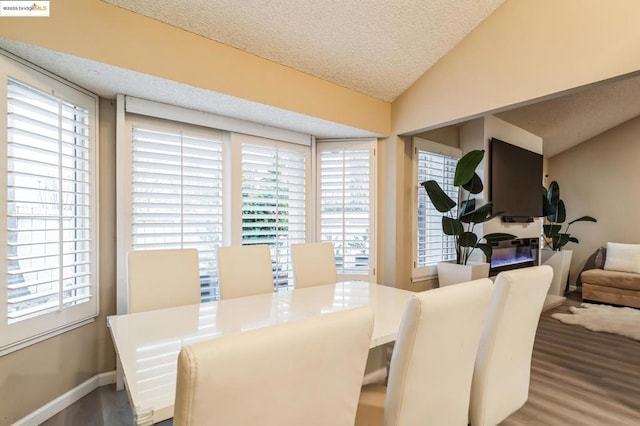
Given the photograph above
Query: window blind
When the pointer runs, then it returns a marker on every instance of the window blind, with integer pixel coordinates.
(177, 199)
(346, 205)
(433, 245)
(274, 202)
(49, 212)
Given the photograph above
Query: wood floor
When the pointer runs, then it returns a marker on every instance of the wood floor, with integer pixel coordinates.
(579, 377)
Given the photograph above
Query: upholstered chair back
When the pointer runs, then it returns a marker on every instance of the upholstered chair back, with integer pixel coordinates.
(158, 279)
(313, 264)
(244, 271)
(432, 361)
(503, 365)
(305, 372)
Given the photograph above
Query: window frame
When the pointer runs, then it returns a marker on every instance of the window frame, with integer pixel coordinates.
(25, 333)
(359, 145)
(124, 184)
(420, 273)
(237, 140)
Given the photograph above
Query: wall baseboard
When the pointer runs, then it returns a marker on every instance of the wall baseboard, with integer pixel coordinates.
(63, 401)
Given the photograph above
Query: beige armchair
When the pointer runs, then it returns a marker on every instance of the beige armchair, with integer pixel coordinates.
(313, 264)
(306, 372)
(158, 279)
(432, 361)
(503, 365)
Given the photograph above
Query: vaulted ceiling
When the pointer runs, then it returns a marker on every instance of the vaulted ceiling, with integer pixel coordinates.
(378, 48)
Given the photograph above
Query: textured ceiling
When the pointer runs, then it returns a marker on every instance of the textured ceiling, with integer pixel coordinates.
(562, 122)
(107, 80)
(568, 120)
(376, 47)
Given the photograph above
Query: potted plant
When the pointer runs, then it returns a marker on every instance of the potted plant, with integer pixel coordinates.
(460, 223)
(555, 238)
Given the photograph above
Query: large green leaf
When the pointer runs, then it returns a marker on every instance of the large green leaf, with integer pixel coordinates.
(451, 226)
(467, 239)
(475, 185)
(466, 206)
(561, 213)
(573, 240)
(553, 193)
(551, 231)
(499, 236)
(478, 215)
(438, 197)
(560, 241)
(547, 208)
(466, 167)
(583, 219)
(486, 249)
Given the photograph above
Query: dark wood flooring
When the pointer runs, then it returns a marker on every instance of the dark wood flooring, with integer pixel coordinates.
(579, 377)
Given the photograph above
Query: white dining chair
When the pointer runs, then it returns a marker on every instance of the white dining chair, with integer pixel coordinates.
(158, 279)
(432, 361)
(244, 271)
(313, 264)
(305, 372)
(503, 365)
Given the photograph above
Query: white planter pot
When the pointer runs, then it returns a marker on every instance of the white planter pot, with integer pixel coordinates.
(452, 273)
(560, 261)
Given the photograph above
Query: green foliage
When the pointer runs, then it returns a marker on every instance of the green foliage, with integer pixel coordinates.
(461, 226)
(556, 214)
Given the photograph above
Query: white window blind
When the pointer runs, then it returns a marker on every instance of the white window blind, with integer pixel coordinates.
(432, 245)
(177, 199)
(346, 204)
(274, 182)
(50, 206)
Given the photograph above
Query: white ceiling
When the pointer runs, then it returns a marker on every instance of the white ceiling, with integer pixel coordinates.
(376, 47)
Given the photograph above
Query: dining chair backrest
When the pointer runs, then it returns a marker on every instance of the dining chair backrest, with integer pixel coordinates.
(432, 362)
(158, 279)
(305, 372)
(244, 271)
(503, 365)
(313, 264)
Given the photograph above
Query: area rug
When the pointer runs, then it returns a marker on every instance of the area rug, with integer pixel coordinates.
(605, 318)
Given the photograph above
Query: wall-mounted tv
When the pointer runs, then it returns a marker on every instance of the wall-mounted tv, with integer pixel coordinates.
(516, 181)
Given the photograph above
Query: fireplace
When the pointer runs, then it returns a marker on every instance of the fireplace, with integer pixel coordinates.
(514, 254)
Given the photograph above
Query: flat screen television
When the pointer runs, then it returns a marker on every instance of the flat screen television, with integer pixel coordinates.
(516, 182)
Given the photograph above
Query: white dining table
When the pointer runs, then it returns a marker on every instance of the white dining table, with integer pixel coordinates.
(148, 343)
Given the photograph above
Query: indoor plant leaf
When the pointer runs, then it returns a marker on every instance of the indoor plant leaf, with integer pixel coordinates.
(467, 239)
(466, 206)
(486, 249)
(553, 193)
(583, 219)
(466, 167)
(551, 230)
(573, 240)
(451, 226)
(499, 236)
(561, 213)
(560, 241)
(438, 197)
(478, 215)
(474, 186)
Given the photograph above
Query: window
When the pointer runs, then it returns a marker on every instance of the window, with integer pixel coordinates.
(176, 192)
(186, 185)
(346, 176)
(437, 162)
(274, 200)
(50, 283)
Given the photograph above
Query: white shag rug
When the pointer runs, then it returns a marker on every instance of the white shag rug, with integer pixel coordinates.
(605, 318)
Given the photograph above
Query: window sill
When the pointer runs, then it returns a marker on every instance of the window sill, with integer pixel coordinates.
(42, 337)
